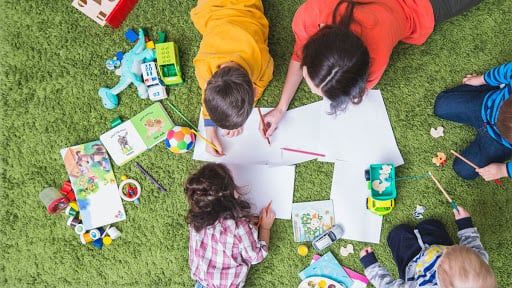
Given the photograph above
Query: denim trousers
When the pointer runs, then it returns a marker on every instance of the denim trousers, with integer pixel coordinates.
(463, 104)
(404, 244)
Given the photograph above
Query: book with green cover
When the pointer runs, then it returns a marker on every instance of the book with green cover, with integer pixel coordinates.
(138, 134)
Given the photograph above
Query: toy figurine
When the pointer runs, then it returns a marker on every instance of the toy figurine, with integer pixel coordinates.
(130, 73)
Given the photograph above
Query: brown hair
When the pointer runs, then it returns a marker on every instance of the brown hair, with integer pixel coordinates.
(229, 97)
(461, 266)
(211, 195)
(504, 123)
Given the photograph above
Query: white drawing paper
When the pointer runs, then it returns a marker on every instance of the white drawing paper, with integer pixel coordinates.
(263, 184)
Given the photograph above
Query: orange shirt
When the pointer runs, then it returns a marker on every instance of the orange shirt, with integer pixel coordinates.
(380, 25)
(232, 31)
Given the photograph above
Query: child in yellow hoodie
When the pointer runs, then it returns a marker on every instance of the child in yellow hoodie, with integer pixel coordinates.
(233, 65)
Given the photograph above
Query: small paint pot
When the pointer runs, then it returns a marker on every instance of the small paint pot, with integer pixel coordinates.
(96, 233)
(85, 238)
(70, 211)
(80, 229)
(98, 243)
(73, 205)
(73, 221)
(302, 250)
(113, 233)
(107, 240)
(54, 201)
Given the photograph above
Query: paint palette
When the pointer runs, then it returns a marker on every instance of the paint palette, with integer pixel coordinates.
(320, 282)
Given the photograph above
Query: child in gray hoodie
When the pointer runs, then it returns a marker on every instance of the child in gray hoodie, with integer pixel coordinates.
(427, 257)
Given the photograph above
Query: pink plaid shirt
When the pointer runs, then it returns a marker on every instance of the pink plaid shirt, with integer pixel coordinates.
(221, 254)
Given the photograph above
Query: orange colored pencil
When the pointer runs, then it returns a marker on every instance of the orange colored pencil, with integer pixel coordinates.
(266, 211)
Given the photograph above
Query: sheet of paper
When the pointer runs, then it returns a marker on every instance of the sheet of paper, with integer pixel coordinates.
(295, 131)
(363, 131)
(349, 191)
(264, 184)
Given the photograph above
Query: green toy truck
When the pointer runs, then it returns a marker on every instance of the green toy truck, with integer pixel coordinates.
(167, 55)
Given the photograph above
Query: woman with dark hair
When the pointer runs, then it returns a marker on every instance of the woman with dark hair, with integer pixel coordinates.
(342, 47)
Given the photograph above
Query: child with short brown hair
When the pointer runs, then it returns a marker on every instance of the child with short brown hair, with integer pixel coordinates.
(233, 65)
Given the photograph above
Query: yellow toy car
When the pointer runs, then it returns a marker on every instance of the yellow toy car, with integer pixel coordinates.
(380, 207)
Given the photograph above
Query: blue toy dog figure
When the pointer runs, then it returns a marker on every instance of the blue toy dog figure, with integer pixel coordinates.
(130, 73)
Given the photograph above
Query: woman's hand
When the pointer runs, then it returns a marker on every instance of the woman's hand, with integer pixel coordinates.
(271, 120)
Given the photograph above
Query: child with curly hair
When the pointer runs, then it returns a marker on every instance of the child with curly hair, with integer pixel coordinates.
(224, 241)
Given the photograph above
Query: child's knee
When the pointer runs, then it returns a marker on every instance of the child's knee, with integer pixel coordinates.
(399, 230)
(464, 170)
(439, 105)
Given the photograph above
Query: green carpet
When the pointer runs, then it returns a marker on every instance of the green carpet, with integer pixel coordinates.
(53, 62)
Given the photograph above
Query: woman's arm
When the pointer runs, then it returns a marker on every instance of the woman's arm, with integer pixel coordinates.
(293, 79)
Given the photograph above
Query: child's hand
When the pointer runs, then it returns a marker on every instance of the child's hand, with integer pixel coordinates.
(232, 133)
(211, 135)
(474, 80)
(267, 218)
(271, 120)
(493, 171)
(462, 213)
(254, 219)
(365, 251)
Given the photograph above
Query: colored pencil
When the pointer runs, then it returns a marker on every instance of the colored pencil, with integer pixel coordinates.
(150, 177)
(497, 181)
(263, 125)
(195, 130)
(302, 152)
(444, 192)
(183, 116)
(206, 140)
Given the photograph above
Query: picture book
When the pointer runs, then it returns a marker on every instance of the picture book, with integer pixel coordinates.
(327, 266)
(138, 134)
(93, 181)
(311, 219)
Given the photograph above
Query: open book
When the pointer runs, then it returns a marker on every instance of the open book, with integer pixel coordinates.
(138, 134)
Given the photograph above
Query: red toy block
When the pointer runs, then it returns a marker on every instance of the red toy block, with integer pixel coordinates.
(120, 12)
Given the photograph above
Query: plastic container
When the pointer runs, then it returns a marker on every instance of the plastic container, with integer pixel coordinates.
(54, 201)
(382, 181)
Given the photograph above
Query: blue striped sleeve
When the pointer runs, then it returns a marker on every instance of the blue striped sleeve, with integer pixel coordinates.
(499, 75)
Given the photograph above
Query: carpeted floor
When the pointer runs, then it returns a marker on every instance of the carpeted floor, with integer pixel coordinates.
(53, 62)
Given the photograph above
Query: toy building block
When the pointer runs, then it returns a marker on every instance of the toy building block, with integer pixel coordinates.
(168, 60)
(112, 12)
(161, 37)
(131, 36)
(120, 12)
(150, 45)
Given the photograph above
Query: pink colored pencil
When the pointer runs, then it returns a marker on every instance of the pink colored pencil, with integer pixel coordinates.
(302, 152)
